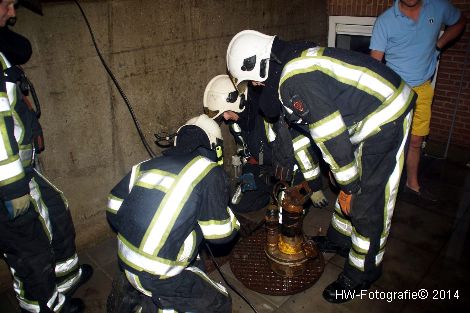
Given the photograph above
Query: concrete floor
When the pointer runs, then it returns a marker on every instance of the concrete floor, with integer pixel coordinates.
(427, 249)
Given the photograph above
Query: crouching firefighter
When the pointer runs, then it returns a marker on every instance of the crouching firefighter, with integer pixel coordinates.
(163, 209)
(37, 236)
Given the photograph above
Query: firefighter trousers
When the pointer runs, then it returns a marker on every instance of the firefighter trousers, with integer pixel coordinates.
(190, 291)
(55, 215)
(380, 162)
(28, 252)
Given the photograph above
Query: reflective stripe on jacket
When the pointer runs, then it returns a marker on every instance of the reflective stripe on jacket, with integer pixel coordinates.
(344, 97)
(164, 208)
(13, 145)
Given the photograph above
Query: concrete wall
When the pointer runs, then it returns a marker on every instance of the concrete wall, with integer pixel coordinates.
(163, 53)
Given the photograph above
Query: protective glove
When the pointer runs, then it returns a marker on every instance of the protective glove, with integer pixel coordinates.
(18, 206)
(247, 181)
(346, 202)
(282, 173)
(318, 199)
(283, 158)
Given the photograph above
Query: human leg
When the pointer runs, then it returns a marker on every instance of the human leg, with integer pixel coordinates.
(190, 291)
(412, 162)
(419, 130)
(51, 202)
(413, 190)
(381, 165)
(28, 253)
(127, 295)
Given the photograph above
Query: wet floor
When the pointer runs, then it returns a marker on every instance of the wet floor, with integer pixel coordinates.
(427, 253)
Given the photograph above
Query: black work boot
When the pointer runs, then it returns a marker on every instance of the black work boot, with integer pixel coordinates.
(74, 305)
(87, 272)
(326, 245)
(344, 289)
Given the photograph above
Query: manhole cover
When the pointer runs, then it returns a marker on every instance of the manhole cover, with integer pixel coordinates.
(249, 264)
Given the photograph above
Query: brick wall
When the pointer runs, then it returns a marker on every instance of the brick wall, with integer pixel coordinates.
(452, 69)
(357, 7)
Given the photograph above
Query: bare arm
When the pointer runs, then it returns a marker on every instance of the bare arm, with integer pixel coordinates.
(452, 32)
(378, 55)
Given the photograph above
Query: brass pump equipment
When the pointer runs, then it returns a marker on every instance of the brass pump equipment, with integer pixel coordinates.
(286, 248)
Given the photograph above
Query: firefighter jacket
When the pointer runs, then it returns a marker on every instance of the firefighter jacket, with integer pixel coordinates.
(341, 98)
(252, 132)
(307, 158)
(255, 136)
(282, 52)
(165, 207)
(17, 125)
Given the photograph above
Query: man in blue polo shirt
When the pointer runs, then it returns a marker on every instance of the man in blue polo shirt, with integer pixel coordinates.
(407, 34)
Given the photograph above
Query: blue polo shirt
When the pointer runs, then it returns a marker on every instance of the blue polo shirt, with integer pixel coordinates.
(409, 46)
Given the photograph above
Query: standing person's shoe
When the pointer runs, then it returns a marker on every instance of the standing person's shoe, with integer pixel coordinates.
(87, 272)
(326, 245)
(423, 196)
(344, 289)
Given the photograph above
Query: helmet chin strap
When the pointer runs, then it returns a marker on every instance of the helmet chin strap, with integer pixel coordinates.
(275, 58)
(11, 21)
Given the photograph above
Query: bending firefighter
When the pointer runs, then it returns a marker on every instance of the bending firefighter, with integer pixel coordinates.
(255, 135)
(358, 113)
(162, 211)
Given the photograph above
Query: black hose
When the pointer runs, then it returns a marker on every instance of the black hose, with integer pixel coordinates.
(121, 92)
(225, 280)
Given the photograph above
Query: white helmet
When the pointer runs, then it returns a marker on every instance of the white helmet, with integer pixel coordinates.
(220, 96)
(209, 126)
(248, 56)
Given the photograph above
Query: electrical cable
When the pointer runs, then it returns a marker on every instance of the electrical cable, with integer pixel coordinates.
(159, 138)
(121, 92)
(226, 281)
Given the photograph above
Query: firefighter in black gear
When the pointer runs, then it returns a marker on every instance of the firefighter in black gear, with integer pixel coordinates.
(162, 211)
(255, 136)
(358, 112)
(37, 235)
